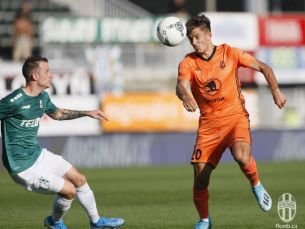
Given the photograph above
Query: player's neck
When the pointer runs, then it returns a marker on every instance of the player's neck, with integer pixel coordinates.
(208, 52)
(32, 90)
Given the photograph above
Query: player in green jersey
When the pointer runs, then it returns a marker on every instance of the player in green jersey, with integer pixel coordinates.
(35, 168)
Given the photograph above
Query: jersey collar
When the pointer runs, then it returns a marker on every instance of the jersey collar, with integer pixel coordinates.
(210, 57)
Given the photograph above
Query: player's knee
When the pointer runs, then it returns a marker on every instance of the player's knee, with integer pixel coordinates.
(69, 193)
(200, 185)
(201, 182)
(81, 180)
(202, 175)
(242, 158)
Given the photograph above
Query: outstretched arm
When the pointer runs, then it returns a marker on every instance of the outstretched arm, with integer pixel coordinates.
(65, 114)
(278, 97)
(184, 93)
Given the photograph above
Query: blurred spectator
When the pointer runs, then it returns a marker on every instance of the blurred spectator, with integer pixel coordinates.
(23, 33)
(178, 7)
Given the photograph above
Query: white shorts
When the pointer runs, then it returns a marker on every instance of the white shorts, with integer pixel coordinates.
(45, 175)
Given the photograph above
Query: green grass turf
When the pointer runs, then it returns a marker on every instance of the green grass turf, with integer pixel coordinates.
(161, 198)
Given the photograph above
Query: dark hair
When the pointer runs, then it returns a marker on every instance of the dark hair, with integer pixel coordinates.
(30, 64)
(201, 21)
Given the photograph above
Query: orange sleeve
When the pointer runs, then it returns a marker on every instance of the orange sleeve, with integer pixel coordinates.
(244, 59)
(184, 70)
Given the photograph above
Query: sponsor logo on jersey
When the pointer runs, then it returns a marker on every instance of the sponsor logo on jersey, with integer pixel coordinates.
(26, 106)
(16, 97)
(30, 123)
(40, 104)
(215, 100)
(212, 87)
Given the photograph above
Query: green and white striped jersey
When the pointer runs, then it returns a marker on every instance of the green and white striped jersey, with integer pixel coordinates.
(20, 115)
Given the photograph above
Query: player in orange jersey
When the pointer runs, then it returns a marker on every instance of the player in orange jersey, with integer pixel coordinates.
(208, 80)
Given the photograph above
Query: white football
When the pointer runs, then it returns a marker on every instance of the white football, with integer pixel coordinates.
(171, 31)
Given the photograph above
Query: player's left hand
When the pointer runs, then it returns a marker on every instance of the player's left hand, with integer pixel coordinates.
(97, 114)
(279, 98)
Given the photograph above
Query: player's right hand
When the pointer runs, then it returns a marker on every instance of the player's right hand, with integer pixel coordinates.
(279, 98)
(190, 104)
(97, 114)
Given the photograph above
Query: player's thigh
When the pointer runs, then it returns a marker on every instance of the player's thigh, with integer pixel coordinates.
(241, 151)
(208, 149)
(39, 181)
(75, 177)
(202, 168)
(239, 132)
(53, 163)
(240, 141)
(46, 175)
(64, 169)
(68, 190)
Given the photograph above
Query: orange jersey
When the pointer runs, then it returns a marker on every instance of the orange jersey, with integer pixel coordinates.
(214, 82)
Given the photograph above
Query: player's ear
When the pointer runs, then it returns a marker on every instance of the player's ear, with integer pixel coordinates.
(34, 76)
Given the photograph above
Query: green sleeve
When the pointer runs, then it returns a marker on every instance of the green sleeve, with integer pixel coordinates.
(50, 107)
(6, 108)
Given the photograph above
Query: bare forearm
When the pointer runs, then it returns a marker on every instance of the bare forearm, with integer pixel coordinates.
(181, 92)
(270, 77)
(65, 114)
(278, 97)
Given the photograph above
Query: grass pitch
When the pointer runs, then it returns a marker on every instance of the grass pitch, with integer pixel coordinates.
(161, 198)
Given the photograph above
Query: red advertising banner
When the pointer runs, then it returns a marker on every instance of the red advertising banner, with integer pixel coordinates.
(282, 30)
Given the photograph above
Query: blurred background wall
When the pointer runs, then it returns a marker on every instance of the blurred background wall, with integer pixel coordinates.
(105, 53)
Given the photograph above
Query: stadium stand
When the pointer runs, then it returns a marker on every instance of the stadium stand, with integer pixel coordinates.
(139, 60)
(105, 8)
(39, 9)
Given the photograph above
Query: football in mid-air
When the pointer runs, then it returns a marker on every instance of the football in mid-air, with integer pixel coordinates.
(171, 31)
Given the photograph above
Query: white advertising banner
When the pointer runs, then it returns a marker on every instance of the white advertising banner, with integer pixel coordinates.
(288, 64)
(287, 76)
(236, 29)
(99, 30)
